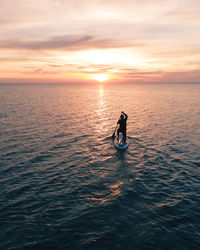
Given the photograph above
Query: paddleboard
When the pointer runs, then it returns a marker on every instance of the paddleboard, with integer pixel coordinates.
(120, 144)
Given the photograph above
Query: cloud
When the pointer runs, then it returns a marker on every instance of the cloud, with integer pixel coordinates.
(13, 59)
(184, 16)
(64, 42)
(134, 72)
(43, 72)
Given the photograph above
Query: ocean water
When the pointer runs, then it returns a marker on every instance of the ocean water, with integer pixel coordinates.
(63, 184)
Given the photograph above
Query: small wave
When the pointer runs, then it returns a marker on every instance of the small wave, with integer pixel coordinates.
(40, 158)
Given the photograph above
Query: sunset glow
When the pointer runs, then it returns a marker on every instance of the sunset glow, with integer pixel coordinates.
(100, 77)
(138, 41)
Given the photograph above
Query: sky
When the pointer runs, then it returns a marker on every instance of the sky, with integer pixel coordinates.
(99, 40)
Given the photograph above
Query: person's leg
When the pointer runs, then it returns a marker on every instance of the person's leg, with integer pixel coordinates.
(117, 133)
(124, 135)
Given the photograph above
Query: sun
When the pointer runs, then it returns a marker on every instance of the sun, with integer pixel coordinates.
(100, 77)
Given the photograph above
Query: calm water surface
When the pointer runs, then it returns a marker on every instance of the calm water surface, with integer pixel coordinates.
(63, 185)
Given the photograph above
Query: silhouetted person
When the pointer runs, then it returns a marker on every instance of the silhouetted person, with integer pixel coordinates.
(122, 125)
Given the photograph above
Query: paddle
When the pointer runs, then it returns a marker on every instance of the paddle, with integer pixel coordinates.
(113, 136)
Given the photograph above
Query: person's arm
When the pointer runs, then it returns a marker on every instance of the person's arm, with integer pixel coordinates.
(126, 116)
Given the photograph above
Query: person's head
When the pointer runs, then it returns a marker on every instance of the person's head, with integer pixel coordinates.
(122, 116)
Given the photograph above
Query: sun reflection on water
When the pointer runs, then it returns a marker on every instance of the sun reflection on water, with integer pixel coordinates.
(101, 111)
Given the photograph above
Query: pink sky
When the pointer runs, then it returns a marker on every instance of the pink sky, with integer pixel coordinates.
(80, 40)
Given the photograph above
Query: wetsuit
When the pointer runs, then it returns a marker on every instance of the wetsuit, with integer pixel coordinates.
(122, 126)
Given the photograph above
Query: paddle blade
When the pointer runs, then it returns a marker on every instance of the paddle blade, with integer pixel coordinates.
(113, 136)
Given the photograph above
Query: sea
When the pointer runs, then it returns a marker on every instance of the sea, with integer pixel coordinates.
(63, 184)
